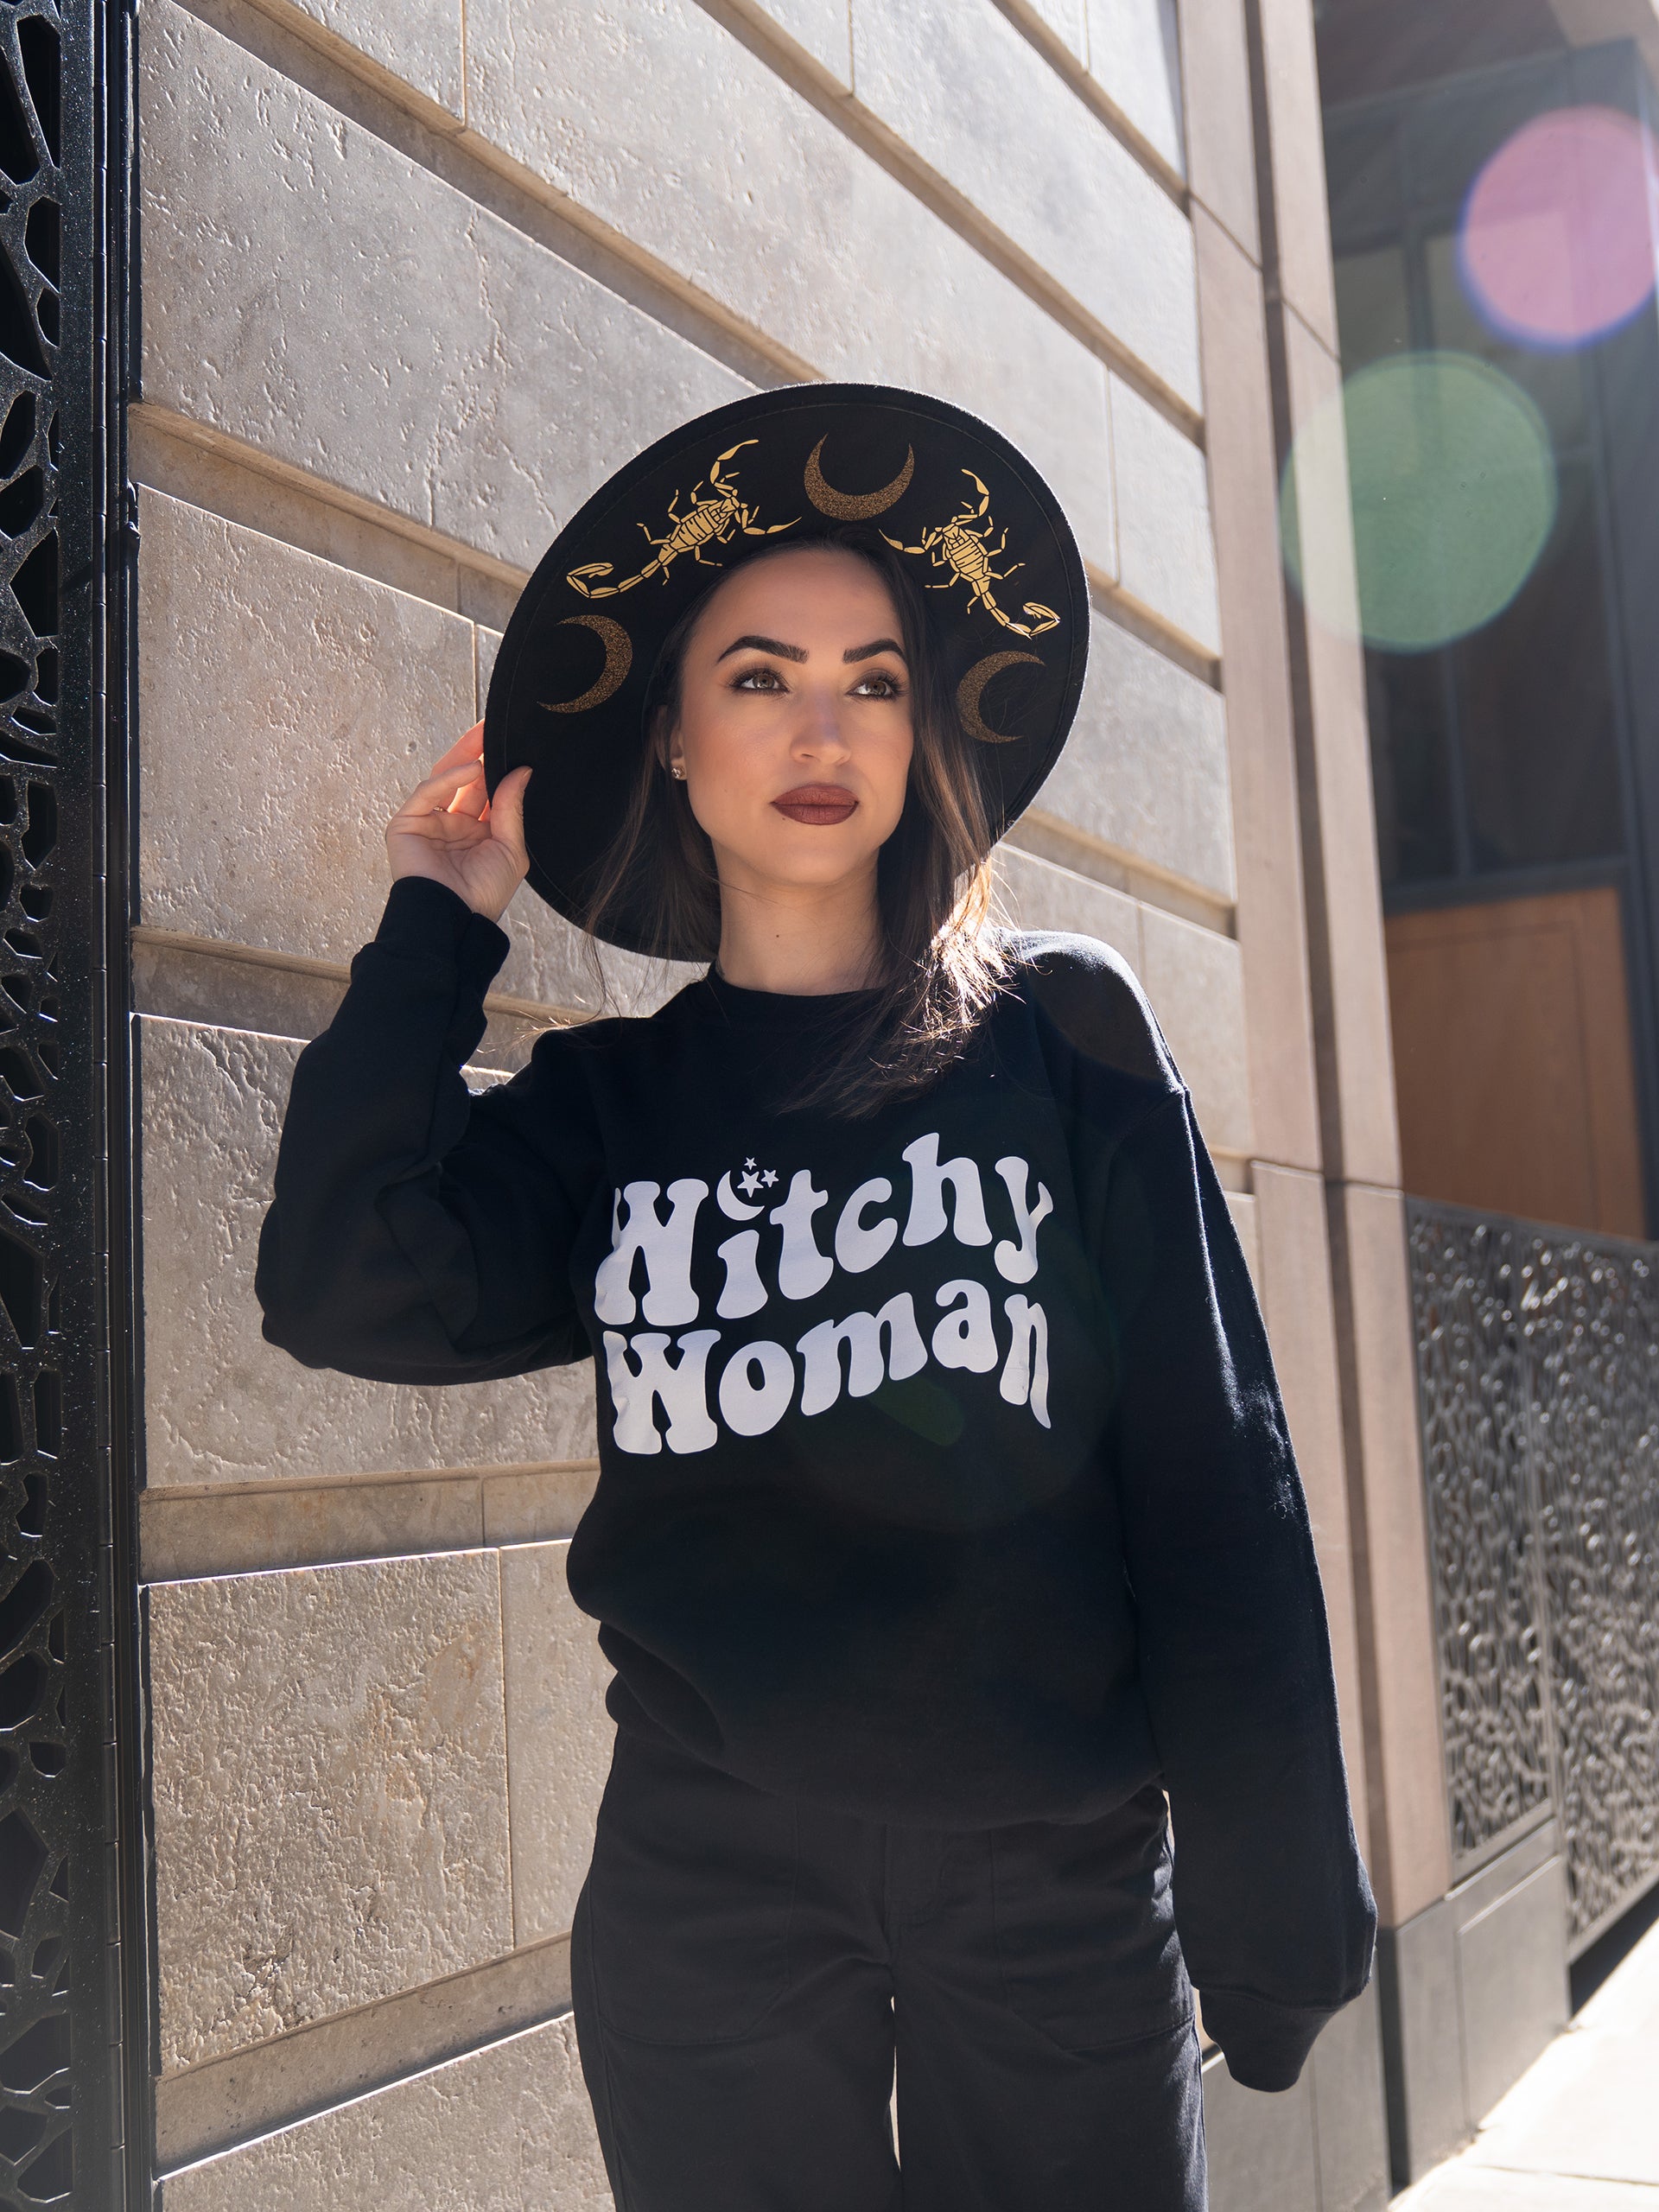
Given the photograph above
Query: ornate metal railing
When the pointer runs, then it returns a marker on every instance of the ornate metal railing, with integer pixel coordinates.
(64, 1655)
(1538, 1378)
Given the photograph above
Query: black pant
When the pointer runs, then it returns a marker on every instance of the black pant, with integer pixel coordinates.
(747, 1968)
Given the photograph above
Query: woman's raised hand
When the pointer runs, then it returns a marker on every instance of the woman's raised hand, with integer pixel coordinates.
(450, 830)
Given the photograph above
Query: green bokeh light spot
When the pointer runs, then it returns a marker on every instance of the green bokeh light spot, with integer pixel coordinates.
(1453, 486)
(924, 1407)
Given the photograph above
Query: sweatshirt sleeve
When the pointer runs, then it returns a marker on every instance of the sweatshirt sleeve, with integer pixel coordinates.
(1275, 1910)
(418, 1234)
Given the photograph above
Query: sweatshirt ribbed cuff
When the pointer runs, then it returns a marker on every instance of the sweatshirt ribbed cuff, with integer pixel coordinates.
(1264, 2043)
(425, 920)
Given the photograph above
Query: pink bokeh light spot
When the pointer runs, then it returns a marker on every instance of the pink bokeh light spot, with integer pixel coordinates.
(1557, 244)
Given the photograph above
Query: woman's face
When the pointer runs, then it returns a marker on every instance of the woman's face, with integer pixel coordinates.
(795, 721)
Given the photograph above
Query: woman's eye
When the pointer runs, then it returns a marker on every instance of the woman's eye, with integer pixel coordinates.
(758, 679)
(878, 687)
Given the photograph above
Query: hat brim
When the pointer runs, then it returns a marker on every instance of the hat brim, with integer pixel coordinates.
(1008, 604)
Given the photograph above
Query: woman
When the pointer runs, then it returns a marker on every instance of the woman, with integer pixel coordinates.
(946, 1519)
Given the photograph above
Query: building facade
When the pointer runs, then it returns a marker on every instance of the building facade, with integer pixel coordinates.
(384, 293)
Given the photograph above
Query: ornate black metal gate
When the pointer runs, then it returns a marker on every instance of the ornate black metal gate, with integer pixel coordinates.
(1538, 1371)
(65, 1674)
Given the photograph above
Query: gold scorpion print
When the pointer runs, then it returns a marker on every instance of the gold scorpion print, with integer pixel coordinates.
(963, 546)
(709, 520)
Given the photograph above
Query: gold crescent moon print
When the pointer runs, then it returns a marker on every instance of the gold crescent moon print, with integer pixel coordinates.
(971, 689)
(855, 507)
(619, 659)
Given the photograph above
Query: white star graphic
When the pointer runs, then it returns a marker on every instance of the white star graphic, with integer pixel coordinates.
(748, 1184)
(770, 1177)
(749, 1164)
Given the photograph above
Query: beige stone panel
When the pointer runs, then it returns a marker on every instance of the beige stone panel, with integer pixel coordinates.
(559, 1737)
(487, 644)
(304, 1525)
(1068, 20)
(1220, 128)
(552, 964)
(1350, 979)
(351, 2054)
(506, 2129)
(486, 594)
(1037, 895)
(957, 81)
(168, 454)
(1298, 1305)
(1073, 848)
(1261, 730)
(1135, 52)
(1410, 1851)
(1167, 555)
(320, 686)
(419, 41)
(822, 28)
(1301, 218)
(314, 293)
(188, 979)
(1242, 1206)
(1194, 980)
(317, 681)
(221, 1405)
(531, 1504)
(1145, 769)
(674, 134)
(1595, 22)
(330, 1784)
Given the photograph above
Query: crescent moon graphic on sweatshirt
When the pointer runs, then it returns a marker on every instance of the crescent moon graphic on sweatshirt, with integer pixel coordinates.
(969, 692)
(730, 1204)
(855, 507)
(619, 659)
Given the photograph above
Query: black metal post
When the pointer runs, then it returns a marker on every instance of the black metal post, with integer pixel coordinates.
(71, 1942)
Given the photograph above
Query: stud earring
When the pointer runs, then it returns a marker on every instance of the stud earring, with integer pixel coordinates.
(677, 771)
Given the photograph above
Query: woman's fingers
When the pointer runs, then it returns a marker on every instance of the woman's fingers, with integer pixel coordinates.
(437, 791)
(460, 767)
(448, 828)
(472, 799)
(507, 815)
(469, 746)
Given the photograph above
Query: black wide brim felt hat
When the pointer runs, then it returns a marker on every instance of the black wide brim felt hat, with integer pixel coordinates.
(1007, 604)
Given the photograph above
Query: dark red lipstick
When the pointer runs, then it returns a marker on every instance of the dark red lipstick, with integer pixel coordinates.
(821, 804)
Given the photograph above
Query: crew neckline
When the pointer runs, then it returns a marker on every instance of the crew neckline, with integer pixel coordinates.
(781, 1009)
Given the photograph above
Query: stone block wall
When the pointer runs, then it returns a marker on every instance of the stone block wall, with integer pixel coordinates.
(416, 275)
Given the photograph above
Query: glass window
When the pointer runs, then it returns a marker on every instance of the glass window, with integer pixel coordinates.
(1536, 707)
(1410, 757)
(1361, 174)
(1450, 132)
(1501, 751)
(1553, 381)
(1373, 315)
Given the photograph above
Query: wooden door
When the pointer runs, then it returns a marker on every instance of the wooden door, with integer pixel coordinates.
(1512, 1060)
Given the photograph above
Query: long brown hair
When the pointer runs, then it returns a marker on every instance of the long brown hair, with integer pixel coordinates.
(938, 962)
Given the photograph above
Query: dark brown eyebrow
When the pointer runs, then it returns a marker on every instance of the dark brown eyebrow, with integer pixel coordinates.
(764, 646)
(880, 645)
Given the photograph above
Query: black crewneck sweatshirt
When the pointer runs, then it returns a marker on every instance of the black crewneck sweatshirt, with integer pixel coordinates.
(943, 1473)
